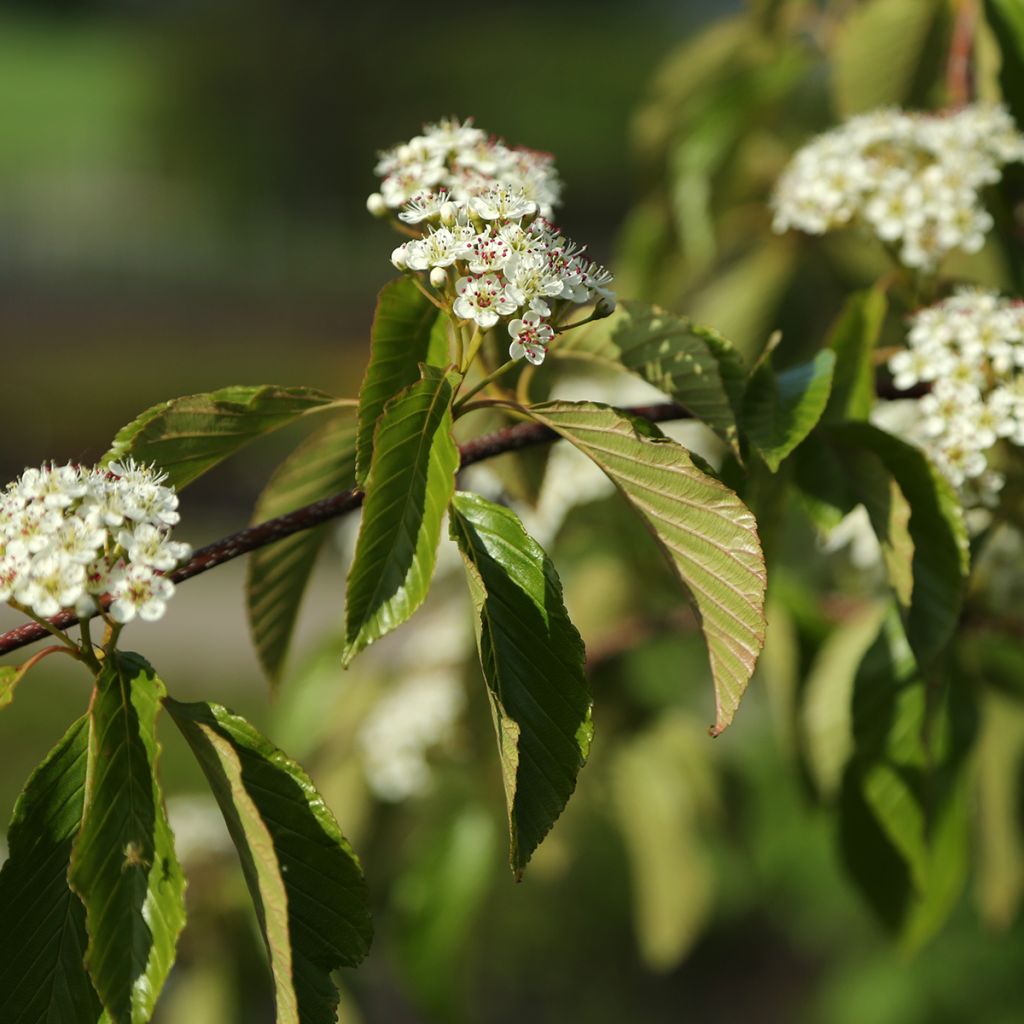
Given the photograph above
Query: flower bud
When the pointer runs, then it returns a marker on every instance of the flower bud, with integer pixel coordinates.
(605, 306)
(449, 213)
(438, 277)
(398, 258)
(376, 205)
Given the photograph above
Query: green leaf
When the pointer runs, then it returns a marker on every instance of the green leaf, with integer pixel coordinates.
(42, 942)
(853, 339)
(669, 352)
(707, 533)
(411, 481)
(1006, 18)
(278, 574)
(879, 52)
(305, 881)
(663, 786)
(941, 559)
(187, 436)
(123, 864)
(532, 659)
(407, 330)
(781, 409)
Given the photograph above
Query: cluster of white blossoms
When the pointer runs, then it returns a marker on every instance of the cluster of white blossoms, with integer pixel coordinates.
(914, 179)
(970, 349)
(486, 240)
(70, 534)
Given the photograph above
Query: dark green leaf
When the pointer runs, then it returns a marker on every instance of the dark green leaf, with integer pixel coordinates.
(853, 340)
(940, 560)
(1007, 20)
(123, 864)
(532, 659)
(781, 409)
(671, 353)
(304, 879)
(411, 481)
(407, 330)
(707, 533)
(278, 574)
(42, 938)
(187, 436)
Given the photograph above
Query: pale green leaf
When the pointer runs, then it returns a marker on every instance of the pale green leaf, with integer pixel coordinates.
(707, 533)
(532, 659)
(411, 481)
(879, 51)
(123, 864)
(407, 330)
(278, 574)
(853, 339)
(781, 409)
(42, 940)
(187, 436)
(671, 353)
(304, 879)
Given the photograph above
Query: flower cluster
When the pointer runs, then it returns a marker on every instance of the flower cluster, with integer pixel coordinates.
(913, 179)
(69, 535)
(487, 243)
(970, 349)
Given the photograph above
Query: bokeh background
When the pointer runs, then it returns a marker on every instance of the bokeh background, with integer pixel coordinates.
(182, 190)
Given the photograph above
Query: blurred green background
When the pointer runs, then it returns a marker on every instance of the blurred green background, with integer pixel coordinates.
(182, 192)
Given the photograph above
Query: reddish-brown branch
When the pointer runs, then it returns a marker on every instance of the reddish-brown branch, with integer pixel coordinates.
(509, 439)
(959, 70)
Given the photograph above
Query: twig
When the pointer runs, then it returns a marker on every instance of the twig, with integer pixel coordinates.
(959, 72)
(508, 439)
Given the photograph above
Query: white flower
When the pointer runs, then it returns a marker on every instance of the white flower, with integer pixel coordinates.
(138, 590)
(441, 248)
(530, 338)
(424, 206)
(147, 545)
(482, 299)
(503, 202)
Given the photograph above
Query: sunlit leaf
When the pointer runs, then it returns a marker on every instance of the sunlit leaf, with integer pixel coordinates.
(304, 879)
(532, 659)
(278, 574)
(123, 864)
(707, 533)
(407, 331)
(42, 939)
(187, 436)
(781, 409)
(411, 481)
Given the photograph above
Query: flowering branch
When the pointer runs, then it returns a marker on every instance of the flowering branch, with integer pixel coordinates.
(509, 439)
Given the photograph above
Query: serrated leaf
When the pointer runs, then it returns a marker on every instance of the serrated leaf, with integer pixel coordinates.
(941, 558)
(304, 879)
(671, 353)
(123, 864)
(532, 659)
(878, 53)
(853, 339)
(187, 436)
(407, 330)
(411, 481)
(277, 575)
(707, 533)
(1006, 18)
(42, 940)
(781, 409)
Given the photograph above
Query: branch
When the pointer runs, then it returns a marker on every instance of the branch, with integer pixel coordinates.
(959, 73)
(509, 439)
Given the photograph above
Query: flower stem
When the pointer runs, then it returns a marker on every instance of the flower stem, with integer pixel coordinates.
(481, 384)
(474, 346)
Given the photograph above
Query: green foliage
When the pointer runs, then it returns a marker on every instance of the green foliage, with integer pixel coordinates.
(853, 340)
(411, 481)
(123, 864)
(277, 575)
(1007, 20)
(187, 436)
(692, 364)
(403, 336)
(304, 879)
(42, 944)
(708, 535)
(781, 409)
(532, 659)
